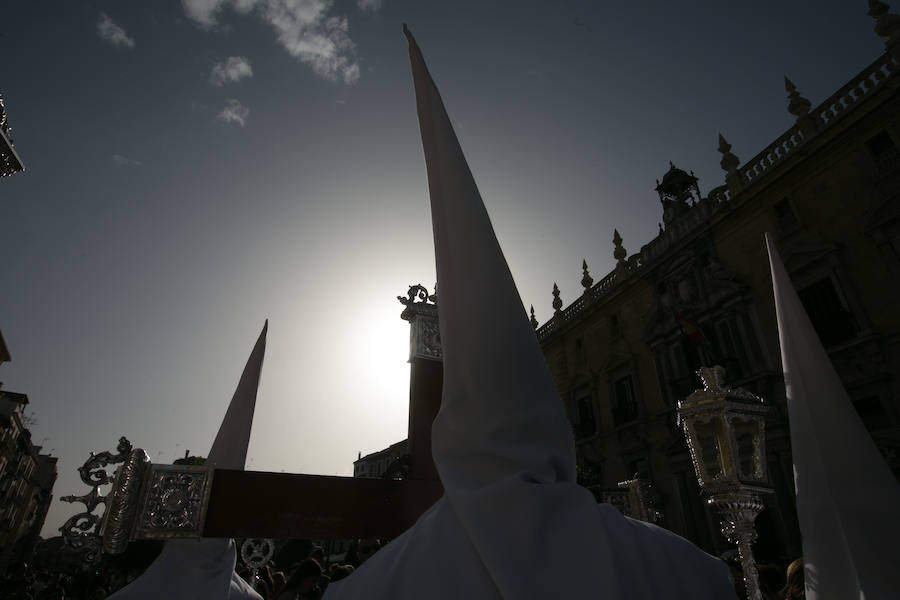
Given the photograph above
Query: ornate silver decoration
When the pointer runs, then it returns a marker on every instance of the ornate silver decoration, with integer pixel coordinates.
(424, 332)
(122, 506)
(634, 498)
(738, 510)
(82, 531)
(725, 432)
(146, 501)
(256, 552)
(175, 502)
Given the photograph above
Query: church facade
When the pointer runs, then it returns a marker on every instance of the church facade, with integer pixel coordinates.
(626, 351)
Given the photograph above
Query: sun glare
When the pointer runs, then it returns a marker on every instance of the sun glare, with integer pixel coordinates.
(381, 350)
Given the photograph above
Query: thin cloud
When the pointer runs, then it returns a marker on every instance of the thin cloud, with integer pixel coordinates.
(231, 70)
(124, 161)
(234, 112)
(369, 5)
(305, 28)
(112, 33)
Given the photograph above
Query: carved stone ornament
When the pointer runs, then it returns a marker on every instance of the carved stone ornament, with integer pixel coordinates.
(175, 502)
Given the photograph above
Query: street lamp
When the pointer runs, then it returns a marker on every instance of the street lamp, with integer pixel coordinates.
(726, 434)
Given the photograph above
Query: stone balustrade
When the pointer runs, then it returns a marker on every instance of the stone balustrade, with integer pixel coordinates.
(822, 117)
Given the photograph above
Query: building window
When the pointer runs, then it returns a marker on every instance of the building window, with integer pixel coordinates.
(662, 377)
(586, 424)
(614, 326)
(785, 218)
(833, 322)
(752, 341)
(624, 404)
(883, 151)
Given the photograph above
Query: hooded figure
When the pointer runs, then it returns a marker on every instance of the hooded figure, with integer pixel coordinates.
(847, 497)
(201, 569)
(512, 523)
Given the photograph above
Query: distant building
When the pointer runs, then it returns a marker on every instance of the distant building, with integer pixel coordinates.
(26, 479)
(378, 464)
(625, 351)
(26, 482)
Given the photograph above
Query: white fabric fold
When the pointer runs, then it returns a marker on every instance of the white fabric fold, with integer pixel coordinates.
(847, 497)
(512, 523)
(203, 569)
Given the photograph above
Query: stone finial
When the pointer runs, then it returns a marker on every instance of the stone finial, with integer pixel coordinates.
(797, 104)
(619, 253)
(729, 162)
(534, 321)
(586, 280)
(557, 303)
(887, 25)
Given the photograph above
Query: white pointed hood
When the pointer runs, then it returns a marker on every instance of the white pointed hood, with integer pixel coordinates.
(512, 522)
(847, 498)
(201, 569)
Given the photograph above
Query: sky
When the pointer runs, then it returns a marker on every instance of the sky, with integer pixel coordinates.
(194, 168)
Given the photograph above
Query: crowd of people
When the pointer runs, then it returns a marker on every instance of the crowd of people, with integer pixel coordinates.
(305, 577)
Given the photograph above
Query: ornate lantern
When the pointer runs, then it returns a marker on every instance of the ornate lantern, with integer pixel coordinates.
(726, 435)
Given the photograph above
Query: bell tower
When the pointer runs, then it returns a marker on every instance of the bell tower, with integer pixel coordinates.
(678, 192)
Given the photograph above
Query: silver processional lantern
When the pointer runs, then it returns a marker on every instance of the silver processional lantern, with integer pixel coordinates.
(726, 434)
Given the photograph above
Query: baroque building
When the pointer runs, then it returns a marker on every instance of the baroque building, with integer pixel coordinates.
(627, 350)
(26, 479)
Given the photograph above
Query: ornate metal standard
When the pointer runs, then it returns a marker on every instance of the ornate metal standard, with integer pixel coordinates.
(725, 431)
(256, 552)
(634, 498)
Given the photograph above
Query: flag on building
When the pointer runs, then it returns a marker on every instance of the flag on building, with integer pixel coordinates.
(847, 497)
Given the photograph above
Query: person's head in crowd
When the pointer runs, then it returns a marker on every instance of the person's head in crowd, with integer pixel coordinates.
(771, 580)
(338, 572)
(795, 586)
(318, 554)
(304, 582)
(366, 548)
(278, 579)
